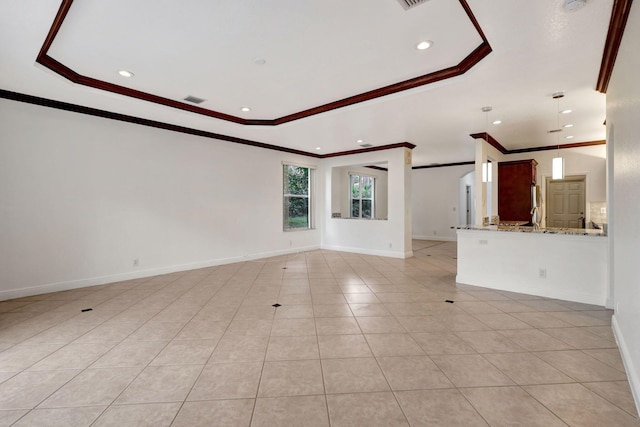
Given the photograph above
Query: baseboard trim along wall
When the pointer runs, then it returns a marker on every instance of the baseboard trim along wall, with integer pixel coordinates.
(94, 281)
(363, 251)
(436, 238)
(632, 374)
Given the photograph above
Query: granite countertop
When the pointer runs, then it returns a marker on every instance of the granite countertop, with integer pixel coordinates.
(529, 229)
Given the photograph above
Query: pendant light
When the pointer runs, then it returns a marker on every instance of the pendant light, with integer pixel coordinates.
(557, 164)
(486, 167)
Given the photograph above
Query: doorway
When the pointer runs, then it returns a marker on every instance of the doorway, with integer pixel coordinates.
(566, 204)
(466, 198)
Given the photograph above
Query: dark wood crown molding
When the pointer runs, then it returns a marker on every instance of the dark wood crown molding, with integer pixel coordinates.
(378, 168)
(465, 65)
(617, 24)
(444, 165)
(65, 106)
(491, 140)
(370, 149)
(518, 151)
(558, 147)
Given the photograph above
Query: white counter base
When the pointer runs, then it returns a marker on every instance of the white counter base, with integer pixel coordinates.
(574, 266)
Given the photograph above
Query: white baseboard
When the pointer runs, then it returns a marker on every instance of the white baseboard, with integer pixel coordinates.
(609, 304)
(390, 254)
(137, 274)
(632, 373)
(437, 238)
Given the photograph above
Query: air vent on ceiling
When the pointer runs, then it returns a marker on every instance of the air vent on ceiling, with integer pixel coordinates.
(408, 4)
(194, 99)
(366, 145)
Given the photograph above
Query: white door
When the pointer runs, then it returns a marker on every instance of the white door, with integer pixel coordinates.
(566, 202)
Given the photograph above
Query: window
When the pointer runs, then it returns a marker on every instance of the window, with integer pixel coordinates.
(362, 196)
(297, 197)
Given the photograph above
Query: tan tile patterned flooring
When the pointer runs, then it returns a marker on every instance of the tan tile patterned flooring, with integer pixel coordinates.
(358, 341)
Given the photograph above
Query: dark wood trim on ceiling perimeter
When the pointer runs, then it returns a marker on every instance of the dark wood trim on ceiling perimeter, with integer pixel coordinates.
(44, 102)
(617, 24)
(491, 140)
(558, 147)
(445, 165)
(465, 65)
(378, 168)
(65, 106)
(367, 150)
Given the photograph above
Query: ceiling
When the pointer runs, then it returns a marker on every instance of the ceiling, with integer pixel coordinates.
(285, 58)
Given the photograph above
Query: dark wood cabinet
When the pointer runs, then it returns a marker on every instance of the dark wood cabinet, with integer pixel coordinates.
(515, 180)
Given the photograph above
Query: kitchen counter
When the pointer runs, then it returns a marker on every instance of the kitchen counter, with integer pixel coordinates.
(562, 263)
(529, 229)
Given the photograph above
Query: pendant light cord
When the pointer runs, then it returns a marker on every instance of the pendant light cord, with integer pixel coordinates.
(558, 125)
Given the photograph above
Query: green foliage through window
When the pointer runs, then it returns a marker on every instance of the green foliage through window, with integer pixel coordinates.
(362, 196)
(297, 195)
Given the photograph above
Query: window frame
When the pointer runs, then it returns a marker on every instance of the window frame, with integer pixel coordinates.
(310, 196)
(360, 199)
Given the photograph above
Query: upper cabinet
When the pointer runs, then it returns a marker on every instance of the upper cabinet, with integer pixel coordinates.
(515, 180)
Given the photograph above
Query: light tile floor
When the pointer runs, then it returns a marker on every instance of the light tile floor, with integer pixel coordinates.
(357, 341)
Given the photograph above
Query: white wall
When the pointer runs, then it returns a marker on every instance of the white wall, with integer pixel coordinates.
(486, 193)
(575, 267)
(436, 201)
(390, 237)
(623, 112)
(82, 197)
(341, 190)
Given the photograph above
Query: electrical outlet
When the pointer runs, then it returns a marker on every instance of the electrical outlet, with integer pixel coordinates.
(136, 262)
(542, 273)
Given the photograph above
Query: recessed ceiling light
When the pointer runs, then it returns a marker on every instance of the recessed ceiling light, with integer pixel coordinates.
(566, 111)
(125, 73)
(573, 5)
(423, 45)
(497, 122)
(317, 148)
(359, 141)
(568, 136)
(569, 125)
(245, 109)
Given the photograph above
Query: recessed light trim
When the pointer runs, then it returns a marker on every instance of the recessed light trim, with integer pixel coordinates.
(566, 111)
(568, 125)
(125, 73)
(245, 109)
(424, 45)
(573, 5)
(359, 141)
(569, 137)
(318, 148)
(497, 122)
